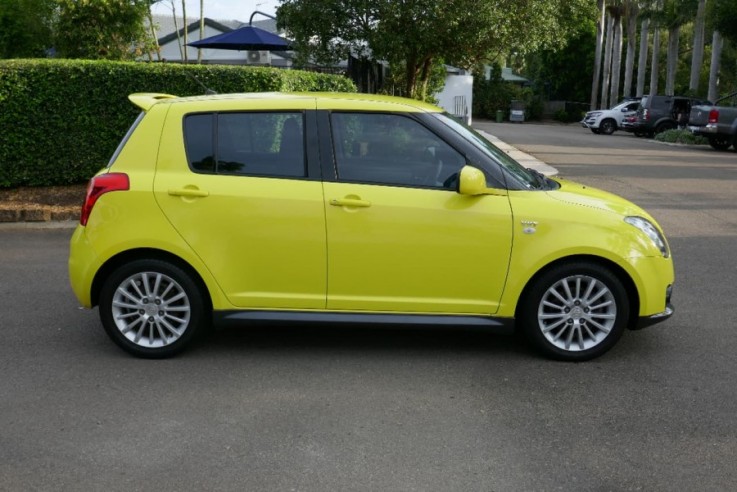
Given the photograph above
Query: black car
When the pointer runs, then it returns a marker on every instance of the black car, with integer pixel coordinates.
(659, 113)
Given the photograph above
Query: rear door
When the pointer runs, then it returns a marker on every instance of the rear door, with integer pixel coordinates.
(243, 189)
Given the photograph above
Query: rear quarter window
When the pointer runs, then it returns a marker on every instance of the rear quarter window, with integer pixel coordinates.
(125, 139)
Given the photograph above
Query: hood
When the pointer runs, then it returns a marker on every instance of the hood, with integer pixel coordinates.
(586, 196)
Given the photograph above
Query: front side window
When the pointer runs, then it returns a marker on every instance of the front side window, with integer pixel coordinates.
(394, 150)
(252, 144)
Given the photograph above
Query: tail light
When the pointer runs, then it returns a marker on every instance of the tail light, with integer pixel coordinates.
(713, 116)
(99, 185)
(646, 114)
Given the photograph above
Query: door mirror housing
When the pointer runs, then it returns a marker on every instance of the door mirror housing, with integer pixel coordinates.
(472, 181)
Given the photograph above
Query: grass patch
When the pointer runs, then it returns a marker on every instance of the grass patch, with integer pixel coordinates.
(681, 137)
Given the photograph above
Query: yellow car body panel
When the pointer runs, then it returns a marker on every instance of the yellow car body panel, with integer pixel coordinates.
(551, 226)
(415, 250)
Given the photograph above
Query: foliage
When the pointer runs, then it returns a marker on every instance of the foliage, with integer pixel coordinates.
(490, 96)
(102, 29)
(25, 27)
(414, 34)
(555, 71)
(396, 83)
(681, 137)
(62, 119)
(722, 15)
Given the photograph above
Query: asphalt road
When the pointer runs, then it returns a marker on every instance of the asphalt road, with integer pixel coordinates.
(312, 408)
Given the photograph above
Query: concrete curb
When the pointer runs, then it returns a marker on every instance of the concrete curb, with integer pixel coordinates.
(40, 220)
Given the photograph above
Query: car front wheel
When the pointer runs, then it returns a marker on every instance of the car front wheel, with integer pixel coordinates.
(575, 311)
(608, 126)
(151, 308)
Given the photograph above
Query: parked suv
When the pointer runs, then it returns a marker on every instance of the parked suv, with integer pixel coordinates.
(352, 208)
(607, 121)
(717, 123)
(659, 113)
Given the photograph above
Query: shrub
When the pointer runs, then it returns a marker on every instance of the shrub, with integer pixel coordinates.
(680, 136)
(61, 120)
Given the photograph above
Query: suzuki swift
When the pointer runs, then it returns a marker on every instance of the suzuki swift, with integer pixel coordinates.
(352, 208)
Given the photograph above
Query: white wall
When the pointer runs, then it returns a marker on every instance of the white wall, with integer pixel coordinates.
(457, 85)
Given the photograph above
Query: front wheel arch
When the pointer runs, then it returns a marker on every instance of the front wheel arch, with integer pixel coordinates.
(629, 284)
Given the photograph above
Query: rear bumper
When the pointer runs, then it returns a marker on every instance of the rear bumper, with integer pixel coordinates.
(710, 129)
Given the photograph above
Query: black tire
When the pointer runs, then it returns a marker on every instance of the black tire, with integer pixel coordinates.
(595, 130)
(152, 309)
(608, 126)
(720, 142)
(587, 324)
(664, 126)
(639, 134)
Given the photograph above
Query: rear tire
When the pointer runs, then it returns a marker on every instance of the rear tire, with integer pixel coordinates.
(595, 130)
(152, 308)
(574, 311)
(666, 125)
(720, 142)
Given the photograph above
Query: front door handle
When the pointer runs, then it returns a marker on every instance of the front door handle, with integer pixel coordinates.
(189, 192)
(350, 202)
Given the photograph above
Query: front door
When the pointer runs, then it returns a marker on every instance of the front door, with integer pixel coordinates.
(400, 238)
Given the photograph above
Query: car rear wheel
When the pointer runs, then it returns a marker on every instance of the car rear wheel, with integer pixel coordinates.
(575, 312)
(595, 130)
(720, 143)
(151, 308)
(607, 126)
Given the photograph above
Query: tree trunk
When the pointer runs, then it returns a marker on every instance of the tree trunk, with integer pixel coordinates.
(184, 20)
(616, 61)
(607, 62)
(654, 64)
(716, 55)
(202, 29)
(176, 30)
(642, 62)
(697, 57)
(597, 56)
(674, 34)
(629, 63)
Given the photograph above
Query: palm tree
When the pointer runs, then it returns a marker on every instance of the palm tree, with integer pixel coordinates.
(697, 57)
(616, 13)
(202, 29)
(642, 61)
(607, 62)
(716, 55)
(184, 20)
(631, 11)
(597, 55)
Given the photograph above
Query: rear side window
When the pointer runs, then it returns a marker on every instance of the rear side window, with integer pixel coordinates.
(125, 139)
(251, 144)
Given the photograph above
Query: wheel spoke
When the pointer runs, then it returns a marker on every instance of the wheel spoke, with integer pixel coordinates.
(125, 305)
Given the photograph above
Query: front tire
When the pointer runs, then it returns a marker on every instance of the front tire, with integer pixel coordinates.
(151, 308)
(595, 130)
(574, 312)
(607, 127)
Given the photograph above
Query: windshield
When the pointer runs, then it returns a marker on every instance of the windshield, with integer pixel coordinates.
(525, 176)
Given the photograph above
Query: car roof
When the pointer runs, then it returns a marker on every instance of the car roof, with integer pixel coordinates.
(147, 100)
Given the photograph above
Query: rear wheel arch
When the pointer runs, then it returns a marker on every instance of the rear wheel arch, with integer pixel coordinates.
(627, 282)
(120, 259)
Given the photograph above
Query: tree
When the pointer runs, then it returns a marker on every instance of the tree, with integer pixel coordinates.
(631, 12)
(414, 34)
(102, 29)
(697, 57)
(597, 54)
(25, 28)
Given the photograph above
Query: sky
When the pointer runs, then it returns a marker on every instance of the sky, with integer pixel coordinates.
(219, 9)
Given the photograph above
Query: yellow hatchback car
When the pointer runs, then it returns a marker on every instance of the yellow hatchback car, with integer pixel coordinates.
(352, 208)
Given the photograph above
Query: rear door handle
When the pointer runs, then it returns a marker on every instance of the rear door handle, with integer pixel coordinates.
(350, 202)
(189, 192)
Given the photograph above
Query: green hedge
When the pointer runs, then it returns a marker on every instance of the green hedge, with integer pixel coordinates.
(61, 120)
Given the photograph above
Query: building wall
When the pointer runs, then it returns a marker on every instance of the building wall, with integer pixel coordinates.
(457, 96)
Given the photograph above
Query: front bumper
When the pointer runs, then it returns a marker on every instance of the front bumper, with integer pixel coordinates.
(645, 321)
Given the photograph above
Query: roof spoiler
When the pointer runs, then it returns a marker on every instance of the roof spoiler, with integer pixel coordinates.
(145, 100)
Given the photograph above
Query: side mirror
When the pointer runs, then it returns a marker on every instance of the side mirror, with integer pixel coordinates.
(471, 181)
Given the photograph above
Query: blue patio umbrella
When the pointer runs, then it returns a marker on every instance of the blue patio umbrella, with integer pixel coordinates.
(244, 38)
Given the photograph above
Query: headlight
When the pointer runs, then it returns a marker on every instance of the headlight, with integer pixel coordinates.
(650, 231)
